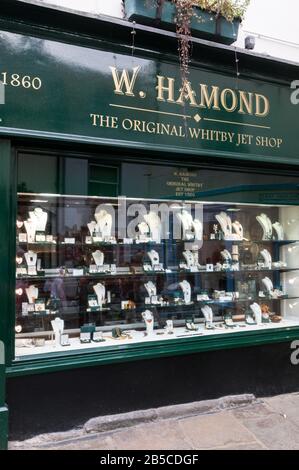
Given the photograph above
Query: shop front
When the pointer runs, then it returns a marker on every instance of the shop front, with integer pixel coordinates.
(150, 234)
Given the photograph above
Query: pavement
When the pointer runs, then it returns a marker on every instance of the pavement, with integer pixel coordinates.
(233, 423)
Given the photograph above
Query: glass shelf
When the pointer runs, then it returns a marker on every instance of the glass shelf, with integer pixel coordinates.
(158, 273)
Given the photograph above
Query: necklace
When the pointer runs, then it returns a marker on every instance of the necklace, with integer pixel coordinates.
(104, 221)
(238, 229)
(100, 291)
(154, 257)
(266, 224)
(39, 218)
(98, 257)
(32, 294)
(30, 258)
(151, 288)
(279, 230)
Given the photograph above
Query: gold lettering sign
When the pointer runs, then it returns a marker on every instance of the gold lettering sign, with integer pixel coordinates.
(201, 95)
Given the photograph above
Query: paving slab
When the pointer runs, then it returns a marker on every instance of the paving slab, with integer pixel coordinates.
(157, 436)
(215, 430)
(271, 428)
(286, 405)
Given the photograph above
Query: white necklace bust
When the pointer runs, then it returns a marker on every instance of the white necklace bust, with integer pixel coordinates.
(31, 258)
(150, 288)
(98, 257)
(225, 224)
(190, 258)
(104, 221)
(39, 218)
(32, 294)
(148, 317)
(279, 230)
(197, 228)
(268, 284)
(100, 292)
(58, 326)
(238, 228)
(186, 288)
(186, 221)
(208, 313)
(154, 257)
(257, 313)
(266, 225)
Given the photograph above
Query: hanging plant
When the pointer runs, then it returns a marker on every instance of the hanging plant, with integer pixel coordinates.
(229, 9)
(191, 11)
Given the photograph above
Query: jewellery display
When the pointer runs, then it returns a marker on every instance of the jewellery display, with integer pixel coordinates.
(192, 228)
(191, 259)
(226, 255)
(169, 327)
(58, 326)
(39, 219)
(266, 225)
(278, 228)
(249, 319)
(100, 292)
(154, 223)
(32, 294)
(103, 287)
(98, 257)
(208, 314)
(225, 224)
(267, 258)
(149, 322)
(154, 257)
(190, 325)
(104, 222)
(268, 284)
(151, 288)
(257, 313)
(228, 320)
(31, 261)
(238, 229)
(186, 220)
(197, 229)
(186, 288)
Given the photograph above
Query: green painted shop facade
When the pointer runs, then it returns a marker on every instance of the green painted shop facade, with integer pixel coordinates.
(76, 90)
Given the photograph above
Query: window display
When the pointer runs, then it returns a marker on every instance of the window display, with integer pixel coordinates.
(93, 272)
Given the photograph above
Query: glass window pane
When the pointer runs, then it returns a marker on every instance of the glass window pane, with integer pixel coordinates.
(191, 251)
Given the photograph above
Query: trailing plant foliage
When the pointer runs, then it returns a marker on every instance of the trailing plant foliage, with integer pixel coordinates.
(185, 12)
(230, 9)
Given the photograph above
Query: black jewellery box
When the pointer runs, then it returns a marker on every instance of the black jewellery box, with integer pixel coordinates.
(88, 334)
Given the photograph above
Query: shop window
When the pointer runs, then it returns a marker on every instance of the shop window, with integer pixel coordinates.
(188, 255)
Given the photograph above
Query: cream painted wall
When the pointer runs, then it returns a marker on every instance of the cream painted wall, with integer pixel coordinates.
(272, 22)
